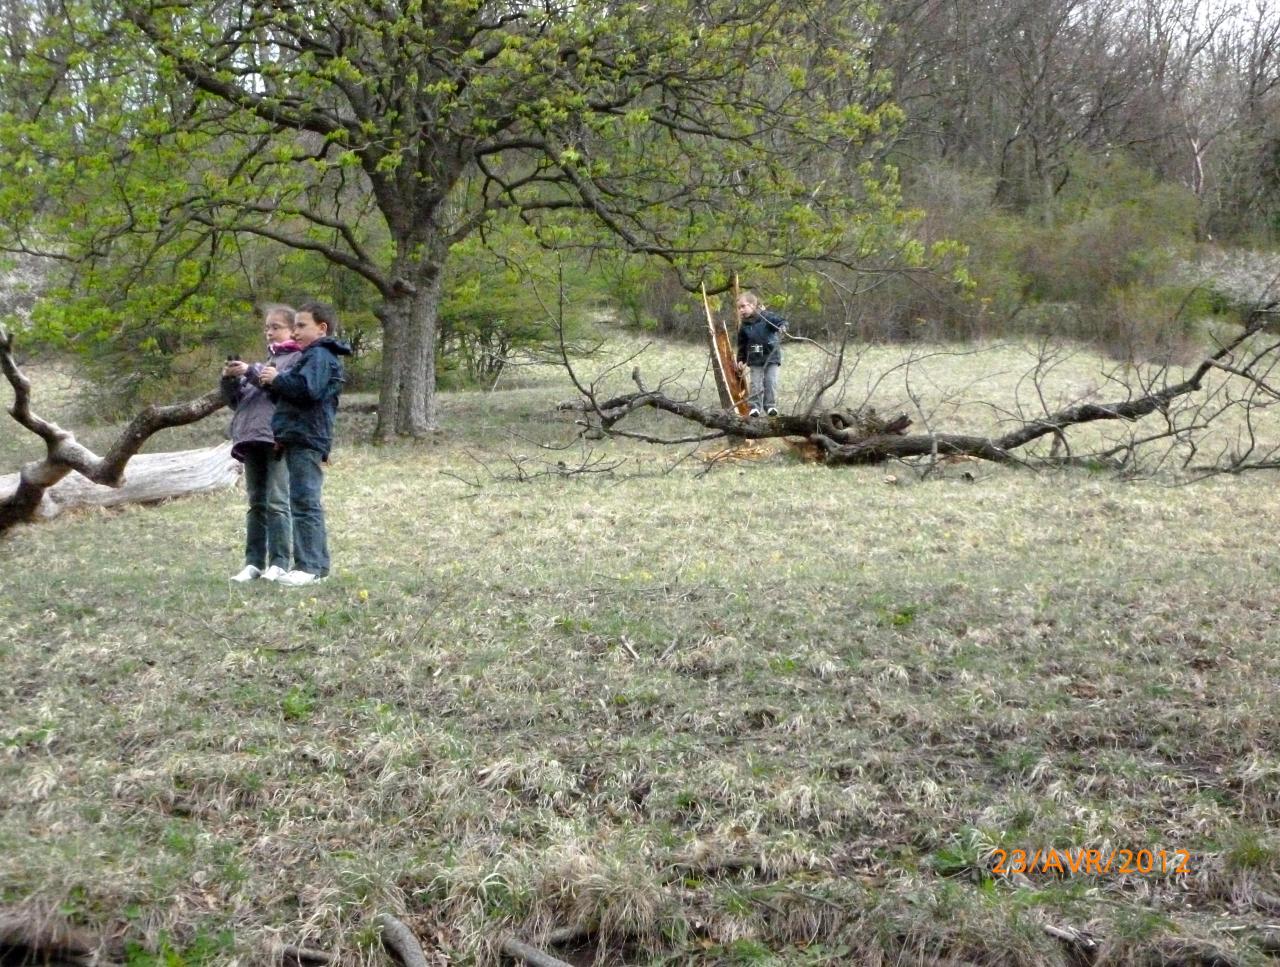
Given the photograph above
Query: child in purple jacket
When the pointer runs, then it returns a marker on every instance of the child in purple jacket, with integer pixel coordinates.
(268, 525)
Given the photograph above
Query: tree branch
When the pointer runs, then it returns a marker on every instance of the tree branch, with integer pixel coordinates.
(862, 437)
(335, 255)
(64, 454)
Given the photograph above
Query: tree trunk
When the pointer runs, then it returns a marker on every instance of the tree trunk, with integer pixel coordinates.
(393, 326)
(410, 319)
(151, 477)
(418, 411)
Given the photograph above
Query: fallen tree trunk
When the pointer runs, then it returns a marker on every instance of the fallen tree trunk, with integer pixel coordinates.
(65, 455)
(840, 426)
(863, 437)
(152, 477)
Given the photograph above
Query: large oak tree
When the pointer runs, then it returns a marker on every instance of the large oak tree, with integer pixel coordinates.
(379, 133)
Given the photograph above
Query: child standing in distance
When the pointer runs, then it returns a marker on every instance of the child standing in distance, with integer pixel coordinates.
(268, 535)
(306, 404)
(760, 348)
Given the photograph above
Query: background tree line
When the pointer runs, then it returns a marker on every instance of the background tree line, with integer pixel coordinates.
(1097, 158)
(437, 169)
(1083, 149)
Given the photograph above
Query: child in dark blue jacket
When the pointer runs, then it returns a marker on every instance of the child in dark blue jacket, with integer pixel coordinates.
(759, 347)
(306, 405)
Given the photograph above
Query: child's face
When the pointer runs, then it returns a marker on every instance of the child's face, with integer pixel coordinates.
(306, 330)
(276, 329)
(747, 306)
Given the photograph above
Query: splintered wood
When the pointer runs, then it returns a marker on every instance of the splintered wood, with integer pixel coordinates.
(730, 385)
(744, 452)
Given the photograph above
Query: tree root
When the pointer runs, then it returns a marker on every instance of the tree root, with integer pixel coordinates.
(519, 950)
(400, 941)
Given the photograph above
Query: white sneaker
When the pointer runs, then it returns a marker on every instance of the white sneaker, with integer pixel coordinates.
(772, 411)
(754, 412)
(249, 573)
(297, 579)
(274, 573)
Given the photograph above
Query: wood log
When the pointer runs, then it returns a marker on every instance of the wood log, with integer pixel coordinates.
(150, 477)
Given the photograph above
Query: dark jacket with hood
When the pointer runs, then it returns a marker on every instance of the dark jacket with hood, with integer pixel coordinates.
(307, 396)
(760, 339)
(252, 406)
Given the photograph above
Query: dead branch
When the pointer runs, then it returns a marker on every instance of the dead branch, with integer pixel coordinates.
(518, 950)
(566, 935)
(64, 454)
(525, 469)
(862, 437)
(1076, 939)
(400, 941)
(292, 955)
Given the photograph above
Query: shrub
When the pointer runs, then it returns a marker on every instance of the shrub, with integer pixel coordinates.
(496, 306)
(649, 297)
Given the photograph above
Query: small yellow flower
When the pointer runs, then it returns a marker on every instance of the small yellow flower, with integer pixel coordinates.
(363, 595)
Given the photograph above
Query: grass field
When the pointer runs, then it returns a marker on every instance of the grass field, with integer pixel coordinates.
(770, 713)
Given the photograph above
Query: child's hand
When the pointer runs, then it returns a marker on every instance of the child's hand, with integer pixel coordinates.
(235, 368)
(267, 376)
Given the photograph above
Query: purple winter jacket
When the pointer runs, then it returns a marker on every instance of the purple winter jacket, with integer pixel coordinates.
(253, 408)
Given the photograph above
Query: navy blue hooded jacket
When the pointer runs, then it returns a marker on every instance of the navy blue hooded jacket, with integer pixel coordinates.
(760, 339)
(307, 396)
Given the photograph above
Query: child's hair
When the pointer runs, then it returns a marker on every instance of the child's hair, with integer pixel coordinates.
(322, 312)
(278, 309)
(746, 295)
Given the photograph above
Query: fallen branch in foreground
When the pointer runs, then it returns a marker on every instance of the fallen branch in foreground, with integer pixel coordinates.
(293, 955)
(521, 951)
(29, 939)
(400, 941)
(65, 455)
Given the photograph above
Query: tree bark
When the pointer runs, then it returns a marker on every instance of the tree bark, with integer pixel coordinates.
(391, 315)
(410, 316)
(418, 413)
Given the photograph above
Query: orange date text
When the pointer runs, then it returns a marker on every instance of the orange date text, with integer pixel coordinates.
(1096, 862)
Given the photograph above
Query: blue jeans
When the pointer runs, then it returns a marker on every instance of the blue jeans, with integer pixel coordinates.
(268, 529)
(306, 479)
(764, 387)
